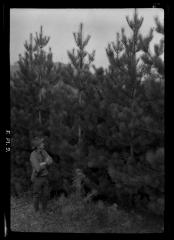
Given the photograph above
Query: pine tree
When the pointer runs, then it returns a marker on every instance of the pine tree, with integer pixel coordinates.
(81, 61)
(137, 110)
(126, 75)
(37, 72)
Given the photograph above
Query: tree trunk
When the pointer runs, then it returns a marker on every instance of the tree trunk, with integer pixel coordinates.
(132, 151)
(40, 101)
(79, 129)
(134, 82)
(40, 119)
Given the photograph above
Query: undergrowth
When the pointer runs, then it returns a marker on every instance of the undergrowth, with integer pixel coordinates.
(72, 214)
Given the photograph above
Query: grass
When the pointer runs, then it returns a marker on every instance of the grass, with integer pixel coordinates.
(74, 215)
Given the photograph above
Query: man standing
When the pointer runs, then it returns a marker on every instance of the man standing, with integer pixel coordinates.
(40, 160)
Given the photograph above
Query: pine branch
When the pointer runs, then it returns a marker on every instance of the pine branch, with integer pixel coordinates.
(159, 26)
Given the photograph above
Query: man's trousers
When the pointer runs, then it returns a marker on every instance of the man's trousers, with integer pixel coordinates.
(40, 192)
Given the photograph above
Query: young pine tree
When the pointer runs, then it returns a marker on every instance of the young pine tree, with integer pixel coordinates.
(81, 61)
(126, 74)
(138, 112)
(37, 75)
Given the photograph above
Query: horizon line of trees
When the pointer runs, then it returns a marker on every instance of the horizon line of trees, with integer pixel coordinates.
(109, 123)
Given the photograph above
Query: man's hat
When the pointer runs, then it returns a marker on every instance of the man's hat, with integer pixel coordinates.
(36, 142)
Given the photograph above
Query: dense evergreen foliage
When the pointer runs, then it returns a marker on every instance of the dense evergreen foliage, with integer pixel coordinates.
(107, 122)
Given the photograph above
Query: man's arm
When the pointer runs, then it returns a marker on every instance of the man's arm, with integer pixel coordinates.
(35, 163)
(48, 158)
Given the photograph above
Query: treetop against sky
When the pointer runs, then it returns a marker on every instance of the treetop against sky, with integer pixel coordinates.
(59, 24)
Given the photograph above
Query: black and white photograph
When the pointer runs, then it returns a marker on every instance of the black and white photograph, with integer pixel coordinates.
(86, 137)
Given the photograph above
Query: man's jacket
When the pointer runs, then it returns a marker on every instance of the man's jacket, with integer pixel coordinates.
(37, 160)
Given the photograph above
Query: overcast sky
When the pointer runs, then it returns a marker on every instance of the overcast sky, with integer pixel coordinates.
(59, 24)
